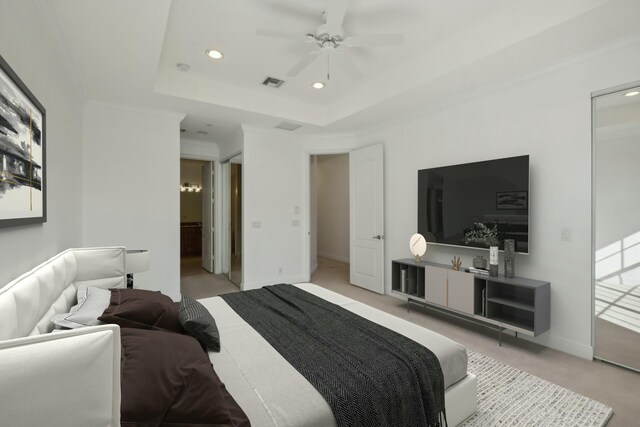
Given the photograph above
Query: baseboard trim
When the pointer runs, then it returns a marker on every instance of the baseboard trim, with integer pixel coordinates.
(314, 268)
(562, 344)
(333, 257)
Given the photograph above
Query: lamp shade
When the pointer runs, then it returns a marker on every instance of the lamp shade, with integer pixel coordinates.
(136, 260)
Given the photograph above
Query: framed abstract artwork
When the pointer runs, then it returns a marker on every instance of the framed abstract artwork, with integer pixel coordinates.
(23, 195)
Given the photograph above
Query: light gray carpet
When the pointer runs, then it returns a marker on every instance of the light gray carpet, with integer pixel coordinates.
(510, 397)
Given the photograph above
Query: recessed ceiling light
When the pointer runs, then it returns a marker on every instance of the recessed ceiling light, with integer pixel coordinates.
(183, 67)
(214, 54)
(634, 93)
(318, 85)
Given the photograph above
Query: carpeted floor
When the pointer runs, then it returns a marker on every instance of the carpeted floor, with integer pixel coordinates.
(510, 397)
(619, 388)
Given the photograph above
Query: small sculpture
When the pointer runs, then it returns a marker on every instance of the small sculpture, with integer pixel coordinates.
(456, 262)
(418, 246)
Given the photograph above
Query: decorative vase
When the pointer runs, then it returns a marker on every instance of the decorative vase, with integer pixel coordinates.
(480, 262)
(509, 257)
(493, 261)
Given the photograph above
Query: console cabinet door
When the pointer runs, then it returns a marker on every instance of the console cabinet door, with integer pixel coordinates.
(461, 290)
(435, 281)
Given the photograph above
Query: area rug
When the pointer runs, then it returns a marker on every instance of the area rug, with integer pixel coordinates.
(509, 397)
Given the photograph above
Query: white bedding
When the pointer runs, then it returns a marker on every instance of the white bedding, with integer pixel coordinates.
(273, 393)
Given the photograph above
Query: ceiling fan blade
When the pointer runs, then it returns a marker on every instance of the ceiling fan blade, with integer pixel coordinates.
(348, 66)
(283, 35)
(303, 63)
(334, 14)
(374, 40)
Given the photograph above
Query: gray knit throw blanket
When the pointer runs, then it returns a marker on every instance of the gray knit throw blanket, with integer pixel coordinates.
(368, 374)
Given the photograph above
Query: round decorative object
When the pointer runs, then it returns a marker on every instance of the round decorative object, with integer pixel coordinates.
(418, 246)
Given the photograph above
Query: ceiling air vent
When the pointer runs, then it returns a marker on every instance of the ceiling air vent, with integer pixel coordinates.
(287, 126)
(272, 82)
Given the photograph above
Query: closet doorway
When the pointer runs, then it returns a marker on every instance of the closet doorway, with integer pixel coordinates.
(616, 225)
(192, 211)
(329, 217)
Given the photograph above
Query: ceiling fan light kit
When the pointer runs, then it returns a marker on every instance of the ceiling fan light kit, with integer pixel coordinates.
(330, 37)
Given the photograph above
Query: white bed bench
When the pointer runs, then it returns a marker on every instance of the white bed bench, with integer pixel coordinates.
(66, 378)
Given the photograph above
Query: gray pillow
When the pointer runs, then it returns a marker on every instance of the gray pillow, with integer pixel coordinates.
(92, 302)
(198, 322)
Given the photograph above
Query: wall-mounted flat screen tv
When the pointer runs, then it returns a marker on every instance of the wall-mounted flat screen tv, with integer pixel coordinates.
(476, 204)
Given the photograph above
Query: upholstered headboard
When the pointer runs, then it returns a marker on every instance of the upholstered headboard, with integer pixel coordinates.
(68, 378)
(28, 303)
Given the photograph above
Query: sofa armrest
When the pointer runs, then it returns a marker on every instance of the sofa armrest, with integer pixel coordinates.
(67, 378)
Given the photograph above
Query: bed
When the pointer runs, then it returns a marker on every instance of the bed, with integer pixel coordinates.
(45, 375)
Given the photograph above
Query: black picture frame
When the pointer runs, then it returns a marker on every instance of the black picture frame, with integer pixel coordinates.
(23, 155)
(512, 200)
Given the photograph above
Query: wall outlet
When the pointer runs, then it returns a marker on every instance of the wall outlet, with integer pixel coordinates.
(280, 271)
(256, 224)
(565, 234)
(296, 210)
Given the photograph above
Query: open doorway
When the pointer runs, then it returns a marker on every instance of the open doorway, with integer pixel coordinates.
(191, 214)
(329, 218)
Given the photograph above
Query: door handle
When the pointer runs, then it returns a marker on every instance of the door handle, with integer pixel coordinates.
(379, 237)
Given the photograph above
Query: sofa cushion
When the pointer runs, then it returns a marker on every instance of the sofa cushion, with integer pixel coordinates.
(91, 304)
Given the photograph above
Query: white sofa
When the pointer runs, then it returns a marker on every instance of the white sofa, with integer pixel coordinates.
(66, 378)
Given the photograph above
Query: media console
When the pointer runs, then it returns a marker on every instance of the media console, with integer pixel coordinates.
(517, 304)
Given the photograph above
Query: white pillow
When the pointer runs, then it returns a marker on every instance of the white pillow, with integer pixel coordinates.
(92, 302)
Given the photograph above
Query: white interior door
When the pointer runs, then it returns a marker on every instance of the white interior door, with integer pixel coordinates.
(207, 216)
(366, 176)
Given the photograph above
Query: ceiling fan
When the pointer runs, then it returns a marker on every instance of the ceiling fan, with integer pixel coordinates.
(330, 38)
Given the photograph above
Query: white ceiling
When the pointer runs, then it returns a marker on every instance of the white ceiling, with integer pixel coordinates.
(126, 52)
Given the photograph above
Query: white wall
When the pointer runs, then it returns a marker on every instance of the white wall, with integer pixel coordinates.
(28, 44)
(333, 206)
(130, 182)
(546, 115)
(273, 188)
(190, 206)
(232, 144)
(276, 181)
(200, 150)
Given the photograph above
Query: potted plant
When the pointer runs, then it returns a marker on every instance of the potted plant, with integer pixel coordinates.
(482, 235)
